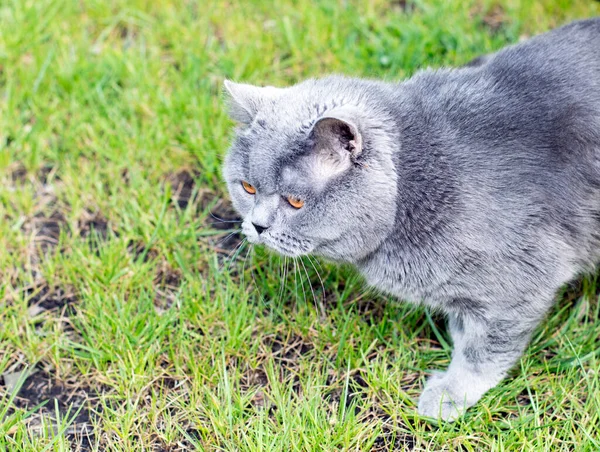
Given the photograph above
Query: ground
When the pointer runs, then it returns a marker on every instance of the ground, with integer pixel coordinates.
(129, 317)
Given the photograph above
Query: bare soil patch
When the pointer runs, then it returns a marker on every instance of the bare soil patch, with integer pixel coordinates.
(222, 216)
(73, 399)
(94, 224)
(56, 299)
(183, 185)
(46, 229)
(166, 285)
(493, 18)
(406, 6)
(286, 351)
(138, 250)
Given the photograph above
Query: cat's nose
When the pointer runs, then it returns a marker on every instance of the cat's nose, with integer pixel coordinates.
(260, 229)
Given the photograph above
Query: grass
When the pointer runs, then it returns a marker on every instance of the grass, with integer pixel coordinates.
(121, 312)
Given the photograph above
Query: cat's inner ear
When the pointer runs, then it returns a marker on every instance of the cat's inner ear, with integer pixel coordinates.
(337, 144)
(244, 100)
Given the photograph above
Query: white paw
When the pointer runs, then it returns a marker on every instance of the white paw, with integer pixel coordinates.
(440, 401)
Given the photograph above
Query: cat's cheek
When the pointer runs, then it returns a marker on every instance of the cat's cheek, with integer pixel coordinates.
(242, 202)
(250, 233)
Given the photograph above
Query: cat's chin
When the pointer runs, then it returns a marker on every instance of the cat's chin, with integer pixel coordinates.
(286, 249)
(287, 252)
(280, 246)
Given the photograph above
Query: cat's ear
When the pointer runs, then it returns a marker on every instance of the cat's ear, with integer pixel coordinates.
(338, 143)
(244, 100)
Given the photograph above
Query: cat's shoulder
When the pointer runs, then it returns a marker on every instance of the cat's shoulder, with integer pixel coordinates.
(576, 42)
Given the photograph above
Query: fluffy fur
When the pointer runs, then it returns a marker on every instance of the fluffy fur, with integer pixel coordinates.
(475, 191)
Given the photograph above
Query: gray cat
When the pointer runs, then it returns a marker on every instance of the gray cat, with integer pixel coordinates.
(475, 191)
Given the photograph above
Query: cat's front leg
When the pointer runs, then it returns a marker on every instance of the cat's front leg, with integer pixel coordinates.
(484, 351)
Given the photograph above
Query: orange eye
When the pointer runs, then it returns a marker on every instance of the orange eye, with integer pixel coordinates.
(249, 188)
(296, 203)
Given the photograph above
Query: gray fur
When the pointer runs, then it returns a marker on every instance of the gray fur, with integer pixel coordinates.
(475, 191)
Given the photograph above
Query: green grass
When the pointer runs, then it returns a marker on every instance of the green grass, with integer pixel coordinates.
(114, 284)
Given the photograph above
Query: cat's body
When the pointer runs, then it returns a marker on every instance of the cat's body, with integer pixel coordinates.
(475, 191)
(498, 169)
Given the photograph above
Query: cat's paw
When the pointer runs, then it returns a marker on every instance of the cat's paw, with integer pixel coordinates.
(440, 401)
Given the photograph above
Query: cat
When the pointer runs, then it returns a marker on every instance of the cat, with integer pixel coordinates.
(474, 190)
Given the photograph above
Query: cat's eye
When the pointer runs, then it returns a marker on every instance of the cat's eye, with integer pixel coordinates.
(249, 188)
(296, 203)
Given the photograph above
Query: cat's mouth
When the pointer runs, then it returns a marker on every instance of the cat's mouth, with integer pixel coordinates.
(282, 242)
(286, 245)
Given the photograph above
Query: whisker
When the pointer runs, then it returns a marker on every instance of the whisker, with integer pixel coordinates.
(316, 259)
(231, 234)
(295, 278)
(318, 305)
(236, 251)
(322, 298)
(283, 280)
(244, 267)
(281, 270)
(301, 282)
(252, 272)
(221, 220)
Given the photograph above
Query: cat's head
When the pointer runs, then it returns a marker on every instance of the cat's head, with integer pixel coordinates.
(310, 169)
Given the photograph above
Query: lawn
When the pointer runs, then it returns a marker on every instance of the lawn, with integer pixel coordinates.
(132, 317)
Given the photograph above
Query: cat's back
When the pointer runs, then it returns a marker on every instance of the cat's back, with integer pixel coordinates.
(537, 102)
(509, 150)
(535, 92)
(528, 125)
(563, 64)
(577, 43)
(499, 164)
(537, 83)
